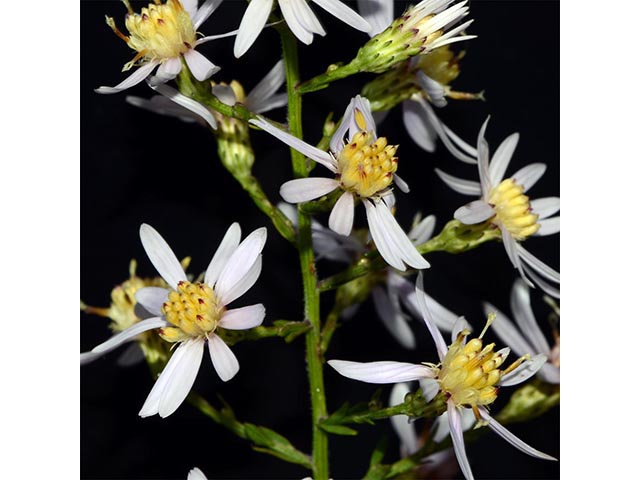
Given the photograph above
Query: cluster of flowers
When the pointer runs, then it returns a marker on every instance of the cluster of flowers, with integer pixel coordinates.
(187, 313)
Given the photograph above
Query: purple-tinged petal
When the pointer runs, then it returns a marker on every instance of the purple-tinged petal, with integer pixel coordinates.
(381, 372)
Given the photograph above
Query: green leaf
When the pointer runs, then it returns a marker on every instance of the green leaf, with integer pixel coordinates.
(268, 441)
(337, 429)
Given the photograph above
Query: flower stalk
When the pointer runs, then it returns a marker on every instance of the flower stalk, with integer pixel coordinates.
(320, 454)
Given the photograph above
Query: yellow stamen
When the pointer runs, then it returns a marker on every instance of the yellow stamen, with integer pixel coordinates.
(513, 210)
(158, 32)
(365, 166)
(469, 373)
(194, 309)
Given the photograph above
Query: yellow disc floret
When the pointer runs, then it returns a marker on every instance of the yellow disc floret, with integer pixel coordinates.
(469, 373)
(441, 64)
(194, 309)
(158, 32)
(513, 210)
(365, 166)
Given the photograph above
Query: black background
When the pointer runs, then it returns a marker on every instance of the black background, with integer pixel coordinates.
(139, 167)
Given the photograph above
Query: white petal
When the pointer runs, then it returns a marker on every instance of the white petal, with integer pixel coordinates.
(394, 233)
(379, 14)
(382, 239)
(392, 318)
(430, 388)
(440, 429)
(200, 110)
(542, 284)
(443, 318)
(240, 270)
(306, 189)
(511, 438)
(400, 183)
(507, 332)
(529, 175)
(161, 256)
(196, 474)
(344, 13)
(267, 104)
(363, 105)
(310, 151)
(253, 21)
(474, 212)
(523, 313)
(465, 187)
(223, 359)
(524, 371)
(175, 381)
(455, 429)
(243, 318)
(483, 161)
(199, 65)
(381, 372)
(545, 207)
(511, 247)
(204, 12)
(502, 157)
(88, 357)
(190, 6)
(267, 87)
(225, 94)
(458, 327)
(433, 89)
(456, 146)
(129, 334)
(297, 28)
(135, 78)
(152, 298)
(180, 382)
(423, 230)
(131, 356)
(441, 346)
(307, 18)
(168, 70)
(210, 38)
(550, 373)
(341, 218)
(227, 246)
(337, 139)
(548, 226)
(540, 267)
(163, 106)
(417, 123)
(401, 423)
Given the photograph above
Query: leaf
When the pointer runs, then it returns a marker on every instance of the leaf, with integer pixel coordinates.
(268, 441)
(337, 429)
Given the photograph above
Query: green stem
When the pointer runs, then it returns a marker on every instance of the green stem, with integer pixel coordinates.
(333, 73)
(320, 455)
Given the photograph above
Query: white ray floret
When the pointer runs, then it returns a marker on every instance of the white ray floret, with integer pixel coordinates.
(503, 202)
(468, 375)
(365, 168)
(299, 17)
(188, 314)
(164, 34)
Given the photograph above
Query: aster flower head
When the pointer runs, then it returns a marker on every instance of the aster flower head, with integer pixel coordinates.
(468, 374)
(504, 204)
(188, 313)
(163, 34)
(299, 17)
(364, 166)
(525, 335)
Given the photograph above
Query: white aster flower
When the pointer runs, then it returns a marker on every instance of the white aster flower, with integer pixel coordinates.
(262, 98)
(189, 313)
(526, 335)
(432, 71)
(468, 374)
(364, 168)
(163, 34)
(504, 203)
(299, 17)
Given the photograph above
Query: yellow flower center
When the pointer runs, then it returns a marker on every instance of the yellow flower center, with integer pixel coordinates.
(441, 64)
(513, 210)
(365, 166)
(158, 32)
(470, 372)
(194, 310)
